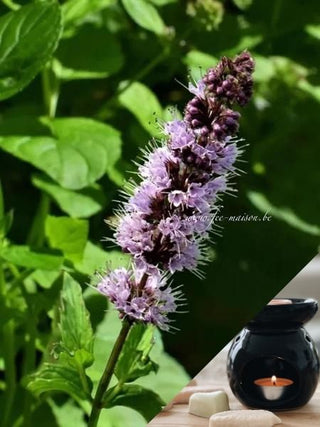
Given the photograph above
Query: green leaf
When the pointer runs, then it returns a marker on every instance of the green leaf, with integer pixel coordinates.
(67, 414)
(243, 4)
(77, 204)
(145, 15)
(74, 11)
(6, 219)
(162, 2)
(311, 90)
(28, 36)
(313, 31)
(168, 381)
(73, 354)
(24, 256)
(282, 213)
(2, 211)
(245, 42)
(120, 416)
(134, 361)
(81, 152)
(198, 62)
(144, 105)
(264, 68)
(105, 59)
(42, 414)
(95, 258)
(67, 234)
(45, 278)
(75, 326)
(145, 401)
(56, 378)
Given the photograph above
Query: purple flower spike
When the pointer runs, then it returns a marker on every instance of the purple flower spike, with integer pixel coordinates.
(168, 216)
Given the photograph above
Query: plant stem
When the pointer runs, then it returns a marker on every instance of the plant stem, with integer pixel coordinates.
(51, 90)
(37, 232)
(29, 362)
(107, 374)
(11, 5)
(8, 355)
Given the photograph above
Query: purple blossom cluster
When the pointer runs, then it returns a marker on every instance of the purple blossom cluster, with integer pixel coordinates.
(166, 220)
(182, 179)
(149, 302)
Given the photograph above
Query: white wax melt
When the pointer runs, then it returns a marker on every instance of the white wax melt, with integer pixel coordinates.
(207, 404)
(244, 418)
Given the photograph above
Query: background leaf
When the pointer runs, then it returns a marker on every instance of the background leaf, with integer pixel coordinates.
(66, 414)
(105, 59)
(134, 361)
(77, 204)
(145, 401)
(145, 15)
(95, 258)
(74, 11)
(144, 105)
(53, 377)
(29, 36)
(67, 234)
(24, 256)
(83, 151)
(75, 327)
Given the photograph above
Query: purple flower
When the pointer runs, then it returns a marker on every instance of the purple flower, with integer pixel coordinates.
(150, 303)
(155, 168)
(169, 214)
(177, 198)
(180, 134)
(134, 234)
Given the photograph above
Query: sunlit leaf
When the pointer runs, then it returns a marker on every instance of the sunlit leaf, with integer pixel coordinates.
(68, 235)
(81, 152)
(75, 327)
(74, 11)
(198, 62)
(144, 14)
(144, 105)
(25, 256)
(77, 204)
(95, 258)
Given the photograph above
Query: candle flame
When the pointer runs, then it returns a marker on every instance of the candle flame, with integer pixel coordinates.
(274, 380)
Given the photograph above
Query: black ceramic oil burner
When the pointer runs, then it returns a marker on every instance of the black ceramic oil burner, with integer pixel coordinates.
(273, 362)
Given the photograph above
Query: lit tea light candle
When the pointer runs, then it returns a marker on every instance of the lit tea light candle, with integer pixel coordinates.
(273, 388)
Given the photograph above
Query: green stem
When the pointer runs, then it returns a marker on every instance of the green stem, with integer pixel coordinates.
(29, 363)
(107, 375)
(8, 355)
(30, 337)
(51, 90)
(11, 5)
(37, 231)
(83, 379)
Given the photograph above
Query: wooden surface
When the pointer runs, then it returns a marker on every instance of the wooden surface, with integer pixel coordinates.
(214, 377)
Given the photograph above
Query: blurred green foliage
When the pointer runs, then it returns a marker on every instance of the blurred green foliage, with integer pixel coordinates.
(69, 134)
